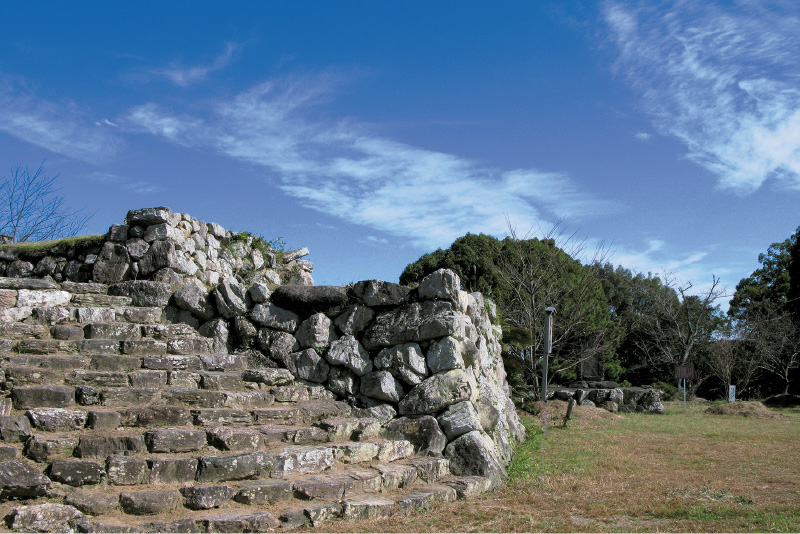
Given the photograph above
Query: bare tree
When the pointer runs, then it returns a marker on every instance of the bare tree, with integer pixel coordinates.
(776, 337)
(32, 210)
(733, 362)
(549, 275)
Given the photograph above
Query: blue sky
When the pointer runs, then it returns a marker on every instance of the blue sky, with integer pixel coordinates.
(373, 132)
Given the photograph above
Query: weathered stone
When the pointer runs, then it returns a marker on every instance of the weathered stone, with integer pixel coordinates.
(57, 419)
(172, 362)
(342, 381)
(430, 469)
(355, 319)
(348, 351)
(441, 284)
(348, 428)
(277, 344)
(261, 492)
(223, 362)
(193, 345)
(14, 428)
(415, 322)
(66, 332)
(76, 472)
(143, 292)
(272, 316)
(79, 377)
(20, 480)
(366, 407)
(315, 332)
(302, 461)
(308, 365)
(148, 416)
(231, 298)
(474, 453)
(221, 417)
(381, 385)
(140, 315)
(150, 216)
(196, 398)
(207, 496)
(124, 396)
(234, 466)
(458, 419)
(174, 440)
(436, 393)
(19, 269)
(269, 377)
(325, 487)
(26, 283)
(137, 248)
(47, 517)
(396, 476)
(93, 502)
(112, 362)
(148, 379)
(103, 420)
(27, 397)
(47, 266)
(234, 439)
(423, 433)
(103, 446)
(405, 362)
(7, 453)
(246, 331)
(368, 507)
(307, 300)
(416, 502)
(42, 298)
(321, 513)
(127, 471)
(256, 522)
(150, 502)
(47, 346)
(445, 355)
(160, 255)
(163, 231)
(379, 293)
(172, 470)
(112, 264)
(259, 293)
(40, 448)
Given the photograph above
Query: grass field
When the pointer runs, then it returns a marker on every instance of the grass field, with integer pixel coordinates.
(683, 471)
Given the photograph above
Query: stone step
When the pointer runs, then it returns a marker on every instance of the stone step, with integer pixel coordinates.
(206, 489)
(255, 506)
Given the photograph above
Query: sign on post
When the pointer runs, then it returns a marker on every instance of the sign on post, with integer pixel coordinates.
(684, 372)
(731, 393)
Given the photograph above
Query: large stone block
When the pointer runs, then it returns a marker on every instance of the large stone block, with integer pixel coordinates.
(27, 397)
(307, 300)
(242, 466)
(205, 497)
(150, 502)
(127, 471)
(405, 362)
(423, 433)
(48, 517)
(76, 472)
(20, 480)
(474, 454)
(415, 322)
(308, 365)
(381, 385)
(103, 446)
(174, 440)
(173, 470)
(347, 351)
(379, 293)
(261, 492)
(436, 393)
(315, 332)
(441, 284)
(57, 419)
(143, 292)
(112, 265)
(275, 318)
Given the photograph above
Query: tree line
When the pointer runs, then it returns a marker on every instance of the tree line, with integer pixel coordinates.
(630, 327)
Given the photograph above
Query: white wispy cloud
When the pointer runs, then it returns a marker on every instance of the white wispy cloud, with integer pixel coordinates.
(643, 136)
(59, 127)
(722, 79)
(139, 186)
(184, 76)
(428, 197)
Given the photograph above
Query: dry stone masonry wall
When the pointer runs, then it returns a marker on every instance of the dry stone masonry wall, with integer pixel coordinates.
(175, 353)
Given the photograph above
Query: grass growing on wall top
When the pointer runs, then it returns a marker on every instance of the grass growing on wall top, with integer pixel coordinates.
(42, 247)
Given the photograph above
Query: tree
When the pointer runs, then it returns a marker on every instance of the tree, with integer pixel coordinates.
(523, 277)
(662, 323)
(32, 210)
(767, 305)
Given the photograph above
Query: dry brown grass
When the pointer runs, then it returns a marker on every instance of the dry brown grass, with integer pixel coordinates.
(744, 409)
(680, 472)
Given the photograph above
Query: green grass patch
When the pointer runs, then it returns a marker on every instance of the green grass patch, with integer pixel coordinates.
(40, 248)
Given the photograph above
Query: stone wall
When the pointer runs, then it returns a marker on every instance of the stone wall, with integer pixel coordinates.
(157, 244)
(425, 361)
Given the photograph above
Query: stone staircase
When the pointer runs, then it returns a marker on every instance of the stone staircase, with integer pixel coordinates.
(114, 419)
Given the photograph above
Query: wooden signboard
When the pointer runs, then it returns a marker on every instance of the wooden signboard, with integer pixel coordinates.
(685, 372)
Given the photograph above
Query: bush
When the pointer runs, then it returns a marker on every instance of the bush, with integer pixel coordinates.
(670, 391)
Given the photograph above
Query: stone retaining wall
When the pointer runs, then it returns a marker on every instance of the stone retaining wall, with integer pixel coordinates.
(425, 361)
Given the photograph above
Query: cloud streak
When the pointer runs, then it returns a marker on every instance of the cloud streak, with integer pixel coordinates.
(724, 81)
(60, 128)
(338, 169)
(184, 76)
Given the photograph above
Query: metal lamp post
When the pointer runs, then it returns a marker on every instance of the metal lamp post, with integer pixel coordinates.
(548, 347)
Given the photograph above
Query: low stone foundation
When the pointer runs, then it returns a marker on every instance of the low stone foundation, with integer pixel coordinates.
(610, 397)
